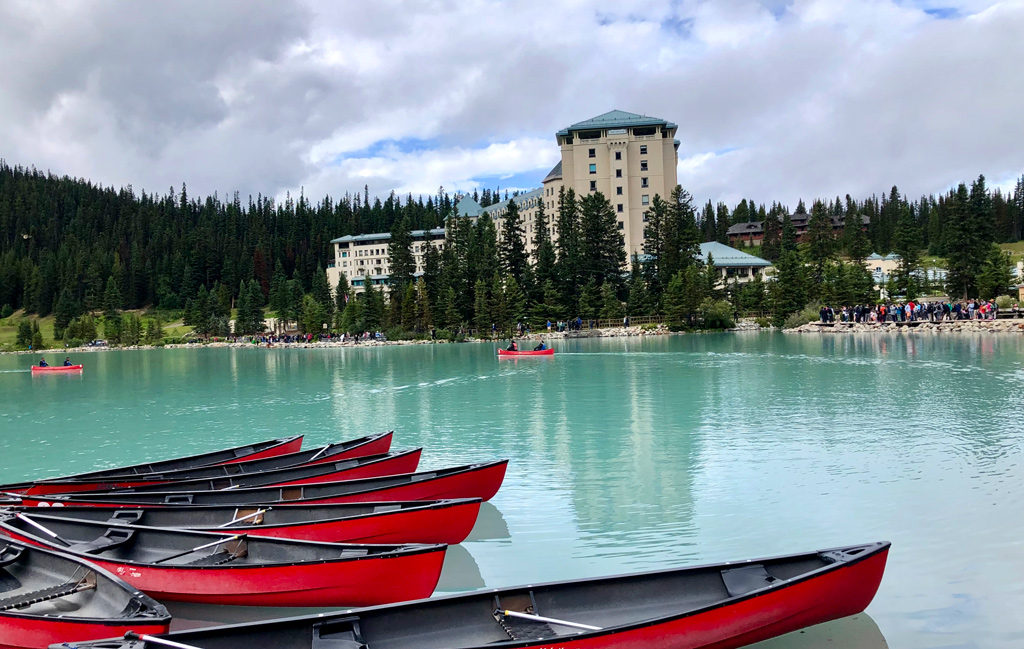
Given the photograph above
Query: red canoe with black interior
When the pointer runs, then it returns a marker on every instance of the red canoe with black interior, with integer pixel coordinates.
(269, 448)
(378, 444)
(527, 352)
(416, 521)
(719, 606)
(48, 597)
(469, 481)
(36, 369)
(239, 570)
(351, 469)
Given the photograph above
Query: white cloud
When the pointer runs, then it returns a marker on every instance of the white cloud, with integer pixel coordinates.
(808, 98)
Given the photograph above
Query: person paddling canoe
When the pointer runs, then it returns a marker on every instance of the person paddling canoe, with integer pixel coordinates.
(512, 346)
(42, 362)
(67, 361)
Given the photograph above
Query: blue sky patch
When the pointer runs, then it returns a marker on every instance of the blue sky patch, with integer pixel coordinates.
(943, 13)
(404, 145)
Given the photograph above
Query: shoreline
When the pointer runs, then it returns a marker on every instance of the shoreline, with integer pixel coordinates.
(1002, 326)
(609, 332)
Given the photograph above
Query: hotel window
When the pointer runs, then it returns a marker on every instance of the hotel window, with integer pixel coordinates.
(618, 155)
(645, 217)
(344, 254)
(618, 173)
(645, 199)
(643, 165)
(593, 169)
(620, 225)
(618, 191)
(593, 185)
(643, 181)
(591, 153)
(643, 149)
(618, 208)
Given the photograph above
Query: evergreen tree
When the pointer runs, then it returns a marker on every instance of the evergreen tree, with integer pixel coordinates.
(570, 249)
(482, 316)
(511, 249)
(611, 308)
(638, 300)
(788, 293)
(676, 308)
(907, 244)
(819, 243)
(341, 294)
(590, 301)
(603, 255)
(771, 243)
(400, 258)
(321, 292)
(24, 336)
(499, 308)
(995, 278)
(544, 253)
(515, 301)
(313, 317)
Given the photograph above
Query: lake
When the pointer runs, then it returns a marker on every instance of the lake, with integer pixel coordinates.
(626, 454)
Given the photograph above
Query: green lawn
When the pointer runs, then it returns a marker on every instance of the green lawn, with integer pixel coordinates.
(1015, 249)
(9, 329)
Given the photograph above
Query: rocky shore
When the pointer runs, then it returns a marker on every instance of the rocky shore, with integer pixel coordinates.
(610, 332)
(1007, 325)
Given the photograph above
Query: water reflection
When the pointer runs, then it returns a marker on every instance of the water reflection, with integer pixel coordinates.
(490, 524)
(854, 632)
(460, 571)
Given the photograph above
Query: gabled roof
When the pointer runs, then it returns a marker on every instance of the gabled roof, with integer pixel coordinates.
(616, 119)
(468, 207)
(555, 173)
(518, 198)
(723, 255)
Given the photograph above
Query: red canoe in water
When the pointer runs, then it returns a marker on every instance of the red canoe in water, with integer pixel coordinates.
(203, 567)
(269, 448)
(527, 352)
(57, 368)
(356, 448)
(48, 597)
(707, 607)
(414, 521)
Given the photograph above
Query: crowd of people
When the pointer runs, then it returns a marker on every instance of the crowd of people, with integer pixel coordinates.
(911, 311)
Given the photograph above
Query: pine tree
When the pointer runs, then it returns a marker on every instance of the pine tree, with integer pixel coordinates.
(603, 255)
(771, 242)
(907, 244)
(321, 292)
(499, 308)
(569, 267)
(611, 307)
(400, 258)
(511, 249)
(544, 253)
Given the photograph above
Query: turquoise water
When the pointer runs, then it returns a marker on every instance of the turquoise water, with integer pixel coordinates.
(626, 454)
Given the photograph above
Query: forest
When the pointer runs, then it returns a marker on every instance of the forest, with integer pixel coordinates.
(87, 254)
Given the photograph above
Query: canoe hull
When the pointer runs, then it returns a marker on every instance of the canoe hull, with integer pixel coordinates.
(527, 352)
(474, 481)
(722, 606)
(56, 368)
(370, 445)
(445, 521)
(22, 633)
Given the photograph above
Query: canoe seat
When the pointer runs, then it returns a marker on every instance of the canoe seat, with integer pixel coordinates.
(340, 634)
(519, 629)
(114, 537)
(125, 516)
(215, 559)
(44, 594)
(9, 554)
(746, 579)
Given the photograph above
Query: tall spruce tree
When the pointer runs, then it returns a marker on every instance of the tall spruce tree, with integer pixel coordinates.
(511, 248)
(400, 258)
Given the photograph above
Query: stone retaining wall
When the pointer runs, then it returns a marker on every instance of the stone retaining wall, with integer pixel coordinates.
(954, 326)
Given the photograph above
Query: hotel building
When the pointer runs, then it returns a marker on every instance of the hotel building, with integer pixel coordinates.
(629, 158)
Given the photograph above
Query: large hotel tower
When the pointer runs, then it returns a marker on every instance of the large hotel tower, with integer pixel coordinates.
(629, 158)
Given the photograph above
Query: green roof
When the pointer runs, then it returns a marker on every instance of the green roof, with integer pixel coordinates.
(725, 256)
(616, 119)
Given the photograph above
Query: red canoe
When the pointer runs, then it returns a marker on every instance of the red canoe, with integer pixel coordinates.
(57, 368)
(351, 469)
(364, 446)
(49, 597)
(527, 352)
(469, 481)
(239, 570)
(719, 606)
(416, 521)
(255, 451)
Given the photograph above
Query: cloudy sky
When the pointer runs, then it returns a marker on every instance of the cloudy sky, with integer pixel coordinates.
(774, 100)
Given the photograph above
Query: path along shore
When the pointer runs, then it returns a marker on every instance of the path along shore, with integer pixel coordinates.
(1005, 326)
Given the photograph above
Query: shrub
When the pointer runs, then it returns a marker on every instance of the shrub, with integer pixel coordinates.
(6, 311)
(763, 322)
(810, 313)
(398, 333)
(1004, 301)
(717, 314)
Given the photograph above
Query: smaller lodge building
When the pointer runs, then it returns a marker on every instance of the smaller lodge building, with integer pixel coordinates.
(747, 235)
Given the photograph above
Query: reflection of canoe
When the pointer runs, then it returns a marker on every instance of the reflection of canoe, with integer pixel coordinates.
(721, 606)
(469, 481)
(255, 451)
(50, 597)
(240, 569)
(415, 521)
(527, 352)
(361, 447)
(57, 368)
(854, 632)
(460, 572)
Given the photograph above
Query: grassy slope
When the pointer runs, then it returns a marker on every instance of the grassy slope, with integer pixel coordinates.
(9, 329)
